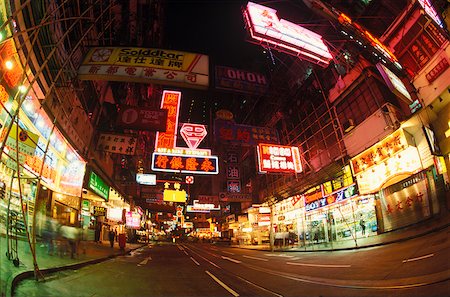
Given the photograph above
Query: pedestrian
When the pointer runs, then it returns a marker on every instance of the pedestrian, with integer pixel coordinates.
(98, 229)
(362, 223)
(111, 236)
(70, 233)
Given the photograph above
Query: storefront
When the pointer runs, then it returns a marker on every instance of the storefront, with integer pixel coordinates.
(400, 173)
(288, 220)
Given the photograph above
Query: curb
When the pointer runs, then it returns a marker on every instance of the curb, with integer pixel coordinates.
(437, 229)
(30, 273)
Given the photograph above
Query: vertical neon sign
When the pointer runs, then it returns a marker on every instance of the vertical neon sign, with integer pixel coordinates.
(171, 102)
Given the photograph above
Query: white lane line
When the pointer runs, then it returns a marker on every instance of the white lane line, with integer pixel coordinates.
(231, 259)
(418, 258)
(180, 247)
(320, 265)
(222, 284)
(255, 258)
(229, 253)
(259, 287)
(145, 261)
(198, 264)
(186, 253)
(214, 264)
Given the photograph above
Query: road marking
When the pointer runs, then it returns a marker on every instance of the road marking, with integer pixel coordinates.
(198, 264)
(256, 258)
(229, 253)
(180, 247)
(222, 284)
(231, 259)
(186, 253)
(320, 265)
(204, 258)
(144, 262)
(259, 287)
(418, 258)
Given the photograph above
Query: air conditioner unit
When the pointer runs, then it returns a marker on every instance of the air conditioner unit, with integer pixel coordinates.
(348, 125)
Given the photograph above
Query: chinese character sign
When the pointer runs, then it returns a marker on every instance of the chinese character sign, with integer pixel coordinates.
(278, 159)
(146, 65)
(117, 144)
(171, 102)
(264, 25)
(185, 163)
(230, 133)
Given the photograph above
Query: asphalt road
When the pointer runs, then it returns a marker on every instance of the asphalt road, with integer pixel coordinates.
(418, 267)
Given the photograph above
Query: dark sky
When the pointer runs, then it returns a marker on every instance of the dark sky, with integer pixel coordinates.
(211, 27)
(216, 28)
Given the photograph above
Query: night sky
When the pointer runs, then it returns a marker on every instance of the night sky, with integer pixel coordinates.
(216, 28)
(212, 27)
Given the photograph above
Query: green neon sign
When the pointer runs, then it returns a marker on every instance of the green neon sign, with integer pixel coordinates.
(97, 185)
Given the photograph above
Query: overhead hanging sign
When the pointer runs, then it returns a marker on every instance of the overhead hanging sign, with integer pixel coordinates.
(146, 65)
(278, 159)
(185, 163)
(230, 133)
(193, 134)
(141, 118)
(171, 102)
(146, 179)
(117, 143)
(243, 81)
(265, 27)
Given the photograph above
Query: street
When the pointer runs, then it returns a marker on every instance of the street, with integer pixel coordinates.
(418, 267)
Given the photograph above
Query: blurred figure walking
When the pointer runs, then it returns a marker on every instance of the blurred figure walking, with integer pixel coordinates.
(111, 236)
(70, 233)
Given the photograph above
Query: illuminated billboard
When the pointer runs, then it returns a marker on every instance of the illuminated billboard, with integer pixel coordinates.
(174, 196)
(275, 158)
(265, 27)
(146, 65)
(185, 163)
(146, 179)
(171, 102)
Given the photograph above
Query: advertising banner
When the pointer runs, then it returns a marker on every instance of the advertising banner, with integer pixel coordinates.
(185, 163)
(237, 80)
(278, 158)
(141, 118)
(230, 133)
(265, 27)
(234, 197)
(117, 143)
(146, 65)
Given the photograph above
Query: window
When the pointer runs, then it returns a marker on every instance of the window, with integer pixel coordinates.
(419, 44)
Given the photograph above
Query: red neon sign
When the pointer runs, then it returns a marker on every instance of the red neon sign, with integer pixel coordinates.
(278, 158)
(171, 102)
(185, 163)
(264, 26)
(193, 134)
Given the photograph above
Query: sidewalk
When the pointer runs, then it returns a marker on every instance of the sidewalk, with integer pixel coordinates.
(89, 252)
(416, 230)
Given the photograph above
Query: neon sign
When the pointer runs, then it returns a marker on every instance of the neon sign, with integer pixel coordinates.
(170, 158)
(278, 159)
(185, 163)
(264, 26)
(193, 134)
(171, 102)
